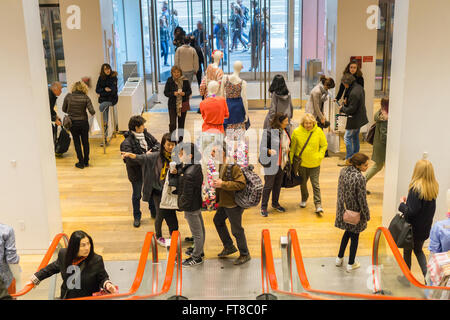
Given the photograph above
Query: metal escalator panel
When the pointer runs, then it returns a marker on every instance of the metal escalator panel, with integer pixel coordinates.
(392, 276)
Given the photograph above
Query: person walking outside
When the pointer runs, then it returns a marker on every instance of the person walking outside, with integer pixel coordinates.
(138, 141)
(379, 140)
(186, 59)
(178, 90)
(155, 167)
(355, 109)
(231, 179)
(419, 208)
(352, 196)
(164, 37)
(75, 105)
(274, 157)
(189, 190)
(311, 139)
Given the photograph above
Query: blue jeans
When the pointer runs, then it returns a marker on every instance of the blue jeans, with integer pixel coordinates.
(223, 49)
(136, 200)
(165, 50)
(104, 107)
(351, 139)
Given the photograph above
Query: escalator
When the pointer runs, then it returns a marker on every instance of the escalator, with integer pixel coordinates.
(145, 284)
(378, 282)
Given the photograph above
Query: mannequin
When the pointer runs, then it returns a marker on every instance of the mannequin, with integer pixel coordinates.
(213, 73)
(235, 92)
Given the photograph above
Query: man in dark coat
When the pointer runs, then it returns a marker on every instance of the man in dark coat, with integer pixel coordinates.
(138, 141)
(355, 108)
(53, 93)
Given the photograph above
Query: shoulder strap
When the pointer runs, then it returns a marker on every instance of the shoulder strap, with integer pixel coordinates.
(304, 146)
(229, 173)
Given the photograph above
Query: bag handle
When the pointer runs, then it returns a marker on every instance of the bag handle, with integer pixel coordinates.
(304, 146)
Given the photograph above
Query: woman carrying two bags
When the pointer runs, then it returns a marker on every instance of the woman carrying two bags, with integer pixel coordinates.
(309, 145)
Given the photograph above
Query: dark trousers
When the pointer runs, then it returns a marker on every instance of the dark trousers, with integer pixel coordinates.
(234, 215)
(173, 122)
(353, 246)
(136, 200)
(80, 135)
(272, 184)
(199, 75)
(418, 252)
(163, 214)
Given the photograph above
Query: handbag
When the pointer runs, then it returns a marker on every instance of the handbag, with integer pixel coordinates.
(401, 231)
(351, 217)
(185, 106)
(371, 134)
(67, 122)
(168, 199)
(297, 160)
(290, 179)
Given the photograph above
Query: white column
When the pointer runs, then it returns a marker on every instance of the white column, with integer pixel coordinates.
(355, 37)
(84, 25)
(419, 111)
(29, 193)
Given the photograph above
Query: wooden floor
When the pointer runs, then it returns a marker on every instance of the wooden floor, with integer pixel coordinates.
(98, 201)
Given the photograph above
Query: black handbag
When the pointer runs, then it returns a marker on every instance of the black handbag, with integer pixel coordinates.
(290, 179)
(371, 134)
(401, 231)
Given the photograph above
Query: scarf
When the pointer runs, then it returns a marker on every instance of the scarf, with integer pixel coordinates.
(285, 142)
(168, 157)
(141, 138)
(179, 84)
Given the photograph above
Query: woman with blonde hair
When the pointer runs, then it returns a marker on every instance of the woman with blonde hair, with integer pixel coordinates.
(75, 105)
(419, 209)
(309, 143)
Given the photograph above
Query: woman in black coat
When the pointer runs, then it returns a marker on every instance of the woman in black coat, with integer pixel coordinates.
(107, 91)
(138, 141)
(274, 156)
(178, 90)
(353, 69)
(419, 209)
(82, 270)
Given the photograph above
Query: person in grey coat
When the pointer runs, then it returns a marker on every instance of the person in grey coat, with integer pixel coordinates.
(355, 108)
(352, 196)
(317, 98)
(9, 259)
(281, 102)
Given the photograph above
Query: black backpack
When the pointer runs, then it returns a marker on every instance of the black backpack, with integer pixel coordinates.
(62, 142)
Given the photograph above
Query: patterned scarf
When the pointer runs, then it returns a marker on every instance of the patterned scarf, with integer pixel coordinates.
(168, 157)
(179, 83)
(141, 138)
(285, 142)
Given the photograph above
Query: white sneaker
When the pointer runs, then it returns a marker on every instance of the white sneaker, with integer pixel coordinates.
(303, 204)
(354, 266)
(319, 210)
(339, 262)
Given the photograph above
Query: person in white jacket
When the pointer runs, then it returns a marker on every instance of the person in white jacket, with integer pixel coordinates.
(186, 59)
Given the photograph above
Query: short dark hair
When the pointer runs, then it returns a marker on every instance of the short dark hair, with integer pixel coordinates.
(74, 247)
(277, 119)
(348, 79)
(358, 159)
(166, 137)
(385, 104)
(136, 121)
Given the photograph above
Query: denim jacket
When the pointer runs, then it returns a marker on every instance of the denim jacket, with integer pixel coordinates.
(8, 253)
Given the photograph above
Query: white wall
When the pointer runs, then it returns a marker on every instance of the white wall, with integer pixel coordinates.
(355, 39)
(419, 101)
(29, 190)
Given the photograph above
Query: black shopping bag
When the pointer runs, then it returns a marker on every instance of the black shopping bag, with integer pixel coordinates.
(401, 231)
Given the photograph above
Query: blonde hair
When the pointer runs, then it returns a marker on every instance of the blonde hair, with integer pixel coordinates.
(79, 86)
(308, 117)
(423, 181)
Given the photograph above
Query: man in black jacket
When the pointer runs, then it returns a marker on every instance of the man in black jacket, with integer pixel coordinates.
(355, 108)
(53, 93)
(138, 141)
(190, 179)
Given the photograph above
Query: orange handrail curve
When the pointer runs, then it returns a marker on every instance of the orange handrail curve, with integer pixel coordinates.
(293, 239)
(149, 242)
(269, 275)
(174, 254)
(398, 257)
(48, 255)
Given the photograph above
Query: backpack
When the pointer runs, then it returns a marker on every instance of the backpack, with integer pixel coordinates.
(251, 195)
(62, 143)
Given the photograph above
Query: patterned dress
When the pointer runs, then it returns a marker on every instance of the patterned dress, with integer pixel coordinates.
(213, 73)
(208, 191)
(352, 196)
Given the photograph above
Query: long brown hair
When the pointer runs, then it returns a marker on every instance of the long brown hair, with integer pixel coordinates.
(277, 119)
(358, 69)
(102, 71)
(423, 181)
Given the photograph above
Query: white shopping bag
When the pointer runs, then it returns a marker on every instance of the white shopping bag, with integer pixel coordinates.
(94, 127)
(333, 142)
(168, 199)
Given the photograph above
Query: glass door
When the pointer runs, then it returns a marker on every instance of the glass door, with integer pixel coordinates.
(53, 43)
(384, 48)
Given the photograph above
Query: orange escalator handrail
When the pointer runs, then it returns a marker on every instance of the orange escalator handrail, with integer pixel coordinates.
(398, 257)
(269, 276)
(174, 254)
(48, 255)
(293, 239)
(149, 242)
